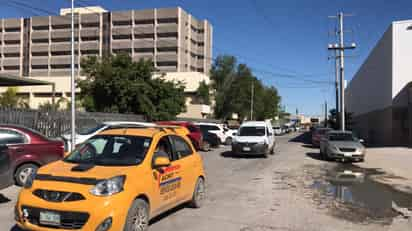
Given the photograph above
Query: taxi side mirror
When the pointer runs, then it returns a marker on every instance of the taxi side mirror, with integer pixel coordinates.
(161, 162)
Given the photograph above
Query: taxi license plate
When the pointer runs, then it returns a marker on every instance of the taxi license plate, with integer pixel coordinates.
(49, 218)
(246, 149)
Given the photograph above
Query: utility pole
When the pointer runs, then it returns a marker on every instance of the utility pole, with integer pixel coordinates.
(73, 87)
(340, 49)
(326, 114)
(337, 85)
(342, 73)
(251, 99)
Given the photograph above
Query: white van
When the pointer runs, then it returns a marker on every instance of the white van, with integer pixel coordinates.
(254, 138)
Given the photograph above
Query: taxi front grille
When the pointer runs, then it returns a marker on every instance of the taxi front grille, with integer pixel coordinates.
(68, 219)
(58, 196)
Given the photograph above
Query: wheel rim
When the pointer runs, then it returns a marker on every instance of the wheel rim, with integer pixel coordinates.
(229, 141)
(24, 174)
(200, 192)
(140, 219)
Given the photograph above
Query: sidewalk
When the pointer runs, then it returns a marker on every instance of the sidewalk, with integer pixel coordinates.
(396, 162)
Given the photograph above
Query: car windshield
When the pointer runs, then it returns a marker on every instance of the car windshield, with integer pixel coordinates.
(341, 137)
(90, 130)
(252, 131)
(111, 151)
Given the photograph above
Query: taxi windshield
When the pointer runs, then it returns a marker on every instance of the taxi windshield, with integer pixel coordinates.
(110, 150)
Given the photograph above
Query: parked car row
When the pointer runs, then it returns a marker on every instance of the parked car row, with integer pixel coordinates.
(338, 145)
(281, 130)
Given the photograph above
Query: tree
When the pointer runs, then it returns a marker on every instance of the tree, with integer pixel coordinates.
(203, 93)
(49, 106)
(117, 84)
(9, 98)
(232, 83)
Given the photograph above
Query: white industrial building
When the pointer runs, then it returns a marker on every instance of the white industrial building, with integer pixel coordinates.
(380, 94)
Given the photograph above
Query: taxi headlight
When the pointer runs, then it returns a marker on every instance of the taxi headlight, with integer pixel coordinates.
(30, 180)
(109, 187)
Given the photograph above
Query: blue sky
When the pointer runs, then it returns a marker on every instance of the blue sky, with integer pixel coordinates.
(276, 38)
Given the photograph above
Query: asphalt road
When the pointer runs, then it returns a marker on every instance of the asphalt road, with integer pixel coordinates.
(285, 191)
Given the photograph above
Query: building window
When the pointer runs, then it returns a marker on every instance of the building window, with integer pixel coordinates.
(12, 29)
(167, 64)
(11, 68)
(59, 40)
(63, 26)
(122, 23)
(39, 67)
(85, 39)
(122, 51)
(42, 27)
(60, 66)
(90, 24)
(167, 20)
(90, 52)
(144, 50)
(11, 42)
(40, 53)
(61, 53)
(120, 37)
(11, 55)
(45, 40)
(144, 36)
(167, 49)
(167, 35)
(144, 22)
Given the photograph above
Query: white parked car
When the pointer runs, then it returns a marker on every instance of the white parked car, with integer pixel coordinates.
(84, 134)
(217, 129)
(278, 130)
(230, 134)
(254, 138)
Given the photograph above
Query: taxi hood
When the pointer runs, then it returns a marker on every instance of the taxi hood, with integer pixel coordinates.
(76, 173)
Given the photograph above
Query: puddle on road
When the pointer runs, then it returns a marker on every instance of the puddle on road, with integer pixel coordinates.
(350, 193)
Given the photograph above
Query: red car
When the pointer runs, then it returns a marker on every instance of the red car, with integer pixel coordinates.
(22, 151)
(195, 134)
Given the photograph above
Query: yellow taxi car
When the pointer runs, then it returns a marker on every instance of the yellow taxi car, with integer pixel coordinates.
(117, 180)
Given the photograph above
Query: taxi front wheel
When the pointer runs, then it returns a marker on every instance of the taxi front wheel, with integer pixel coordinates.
(199, 194)
(138, 216)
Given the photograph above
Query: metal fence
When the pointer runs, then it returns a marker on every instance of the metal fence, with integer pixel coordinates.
(55, 123)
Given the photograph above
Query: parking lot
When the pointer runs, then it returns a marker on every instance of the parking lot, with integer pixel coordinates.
(292, 190)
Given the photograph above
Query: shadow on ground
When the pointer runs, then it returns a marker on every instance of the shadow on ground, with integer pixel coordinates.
(315, 156)
(230, 154)
(4, 199)
(16, 228)
(304, 138)
(168, 213)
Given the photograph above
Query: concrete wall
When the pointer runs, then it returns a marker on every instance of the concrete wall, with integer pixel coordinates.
(371, 87)
(402, 61)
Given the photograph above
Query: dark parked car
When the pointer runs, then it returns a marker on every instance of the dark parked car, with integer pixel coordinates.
(22, 151)
(195, 134)
(210, 140)
(318, 134)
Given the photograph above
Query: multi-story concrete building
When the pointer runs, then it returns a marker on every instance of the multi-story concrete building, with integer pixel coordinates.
(40, 47)
(379, 96)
